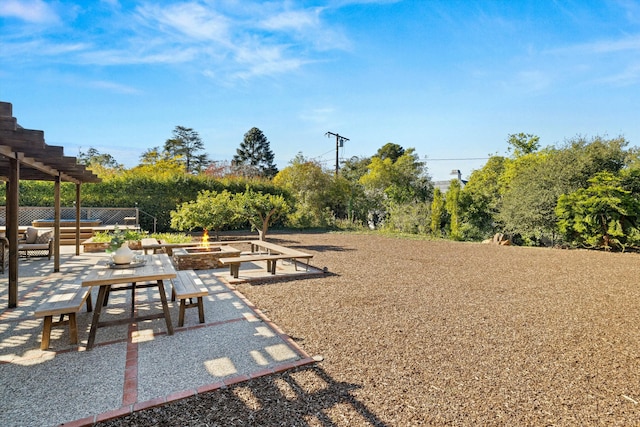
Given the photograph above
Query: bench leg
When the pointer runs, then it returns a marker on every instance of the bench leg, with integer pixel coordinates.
(183, 303)
(173, 293)
(73, 328)
(201, 309)
(46, 332)
(234, 270)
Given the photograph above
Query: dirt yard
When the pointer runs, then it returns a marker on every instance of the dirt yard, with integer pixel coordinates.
(441, 333)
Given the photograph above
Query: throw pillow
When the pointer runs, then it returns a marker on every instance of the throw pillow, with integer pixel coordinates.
(31, 234)
(44, 237)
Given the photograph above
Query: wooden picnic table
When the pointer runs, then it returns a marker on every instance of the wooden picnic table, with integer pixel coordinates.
(152, 273)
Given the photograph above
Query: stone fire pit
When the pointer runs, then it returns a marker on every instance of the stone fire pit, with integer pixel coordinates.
(202, 258)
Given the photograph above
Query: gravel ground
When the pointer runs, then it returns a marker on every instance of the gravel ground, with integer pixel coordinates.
(441, 333)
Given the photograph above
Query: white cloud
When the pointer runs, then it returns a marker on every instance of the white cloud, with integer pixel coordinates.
(191, 19)
(263, 61)
(299, 20)
(129, 57)
(229, 39)
(320, 115)
(32, 11)
(113, 87)
(42, 47)
(626, 77)
(629, 43)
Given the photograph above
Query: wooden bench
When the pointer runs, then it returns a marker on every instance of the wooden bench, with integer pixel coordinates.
(66, 302)
(187, 284)
(272, 248)
(150, 243)
(235, 262)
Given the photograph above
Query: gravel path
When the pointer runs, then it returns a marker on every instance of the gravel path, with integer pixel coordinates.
(441, 333)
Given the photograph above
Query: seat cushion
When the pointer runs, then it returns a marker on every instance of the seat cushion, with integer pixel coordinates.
(31, 235)
(33, 247)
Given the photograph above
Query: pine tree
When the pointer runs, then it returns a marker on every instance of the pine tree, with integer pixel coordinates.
(185, 144)
(254, 157)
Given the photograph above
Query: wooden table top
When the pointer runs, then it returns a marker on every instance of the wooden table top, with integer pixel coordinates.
(156, 267)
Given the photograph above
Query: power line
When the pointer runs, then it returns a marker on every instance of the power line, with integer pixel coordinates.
(467, 158)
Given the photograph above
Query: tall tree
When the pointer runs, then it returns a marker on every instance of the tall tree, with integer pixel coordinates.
(254, 157)
(602, 215)
(400, 181)
(318, 194)
(93, 157)
(523, 143)
(437, 213)
(452, 205)
(390, 151)
(185, 146)
(480, 200)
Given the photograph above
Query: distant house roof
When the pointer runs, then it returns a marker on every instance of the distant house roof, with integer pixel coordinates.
(444, 185)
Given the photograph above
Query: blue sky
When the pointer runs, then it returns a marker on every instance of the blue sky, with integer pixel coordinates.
(451, 79)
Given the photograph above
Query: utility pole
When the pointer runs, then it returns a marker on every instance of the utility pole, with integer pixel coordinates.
(339, 142)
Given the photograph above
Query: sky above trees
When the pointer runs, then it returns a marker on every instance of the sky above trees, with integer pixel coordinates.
(450, 79)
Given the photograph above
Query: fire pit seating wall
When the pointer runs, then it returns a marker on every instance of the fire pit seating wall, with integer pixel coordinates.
(202, 258)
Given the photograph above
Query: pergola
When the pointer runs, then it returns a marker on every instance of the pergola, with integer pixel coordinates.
(24, 155)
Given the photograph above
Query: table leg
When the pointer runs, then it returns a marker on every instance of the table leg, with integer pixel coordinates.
(165, 307)
(102, 293)
(133, 299)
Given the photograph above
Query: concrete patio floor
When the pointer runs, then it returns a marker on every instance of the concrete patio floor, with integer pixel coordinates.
(132, 367)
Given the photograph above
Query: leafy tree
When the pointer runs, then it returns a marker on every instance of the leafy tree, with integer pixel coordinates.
(523, 143)
(260, 210)
(410, 218)
(101, 163)
(254, 157)
(401, 181)
(159, 166)
(152, 156)
(184, 146)
(452, 205)
(354, 168)
(390, 151)
(480, 200)
(358, 204)
(437, 212)
(220, 169)
(313, 190)
(583, 158)
(602, 215)
(532, 183)
(529, 199)
(210, 211)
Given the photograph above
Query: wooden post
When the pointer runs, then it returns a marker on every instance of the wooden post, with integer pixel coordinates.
(12, 228)
(78, 219)
(56, 224)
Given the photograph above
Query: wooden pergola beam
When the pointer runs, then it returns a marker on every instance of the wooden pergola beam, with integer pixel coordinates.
(25, 156)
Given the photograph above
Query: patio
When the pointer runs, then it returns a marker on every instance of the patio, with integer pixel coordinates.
(131, 367)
